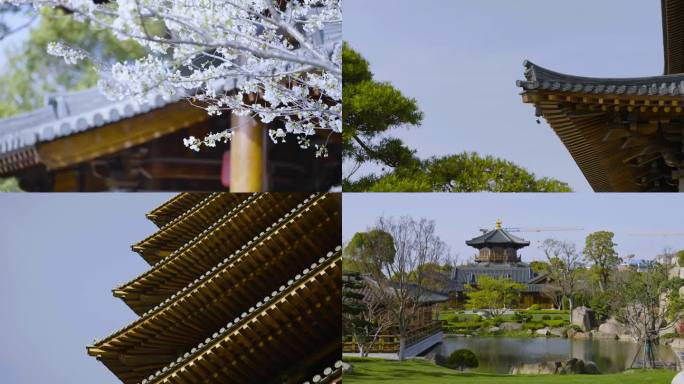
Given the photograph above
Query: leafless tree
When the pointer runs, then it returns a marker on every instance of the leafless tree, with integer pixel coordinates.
(564, 265)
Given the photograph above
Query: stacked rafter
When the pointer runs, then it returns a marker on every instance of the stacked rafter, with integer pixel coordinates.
(249, 294)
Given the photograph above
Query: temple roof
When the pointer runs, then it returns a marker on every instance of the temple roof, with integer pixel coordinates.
(497, 237)
(518, 272)
(253, 300)
(540, 78)
(175, 207)
(68, 113)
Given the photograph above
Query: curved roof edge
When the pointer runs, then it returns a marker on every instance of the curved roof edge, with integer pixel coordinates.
(540, 78)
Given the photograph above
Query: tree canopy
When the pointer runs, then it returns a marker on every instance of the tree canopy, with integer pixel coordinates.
(373, 109)
(599, 249)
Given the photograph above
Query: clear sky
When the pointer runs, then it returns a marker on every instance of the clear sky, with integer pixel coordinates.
(634, 218)
(60, 257)
(460, 60)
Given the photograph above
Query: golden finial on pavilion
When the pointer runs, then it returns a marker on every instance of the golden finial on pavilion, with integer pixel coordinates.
(498, 224)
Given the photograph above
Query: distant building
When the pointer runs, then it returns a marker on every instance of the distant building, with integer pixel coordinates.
(498, 258)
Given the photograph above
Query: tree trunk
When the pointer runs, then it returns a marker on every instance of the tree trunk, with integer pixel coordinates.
(402, 347)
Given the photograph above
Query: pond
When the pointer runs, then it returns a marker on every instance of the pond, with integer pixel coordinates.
(499, 354)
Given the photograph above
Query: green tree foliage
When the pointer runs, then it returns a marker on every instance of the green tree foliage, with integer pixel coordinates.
(493, 295)
(599, 250)
(31, 73)
(680, 258)
(461, 359)
(373, 109)
(368, 251)
(539, 267)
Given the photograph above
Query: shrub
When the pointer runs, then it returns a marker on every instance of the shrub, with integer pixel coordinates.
(680, 258)
(601, 303)
(461, 359)
(476, 318)
(533, 325)
(575, 327)
(554, 323)
(558, 317)
(534, 307)
(546, 317)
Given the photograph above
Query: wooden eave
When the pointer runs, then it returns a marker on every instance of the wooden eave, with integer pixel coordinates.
(111, 138)
(186, 226)
(673, 35)
(175, 207)
(263, 216)
(200, 309)
(295, 324)
(604, 151)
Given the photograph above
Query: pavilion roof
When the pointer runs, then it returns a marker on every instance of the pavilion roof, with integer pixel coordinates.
(497, 237)
(540, 78)
(278, 284)
(254, 220)
(187, 225)
(69, 113)
(175, 207)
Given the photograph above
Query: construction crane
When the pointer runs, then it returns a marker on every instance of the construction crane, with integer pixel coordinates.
(657, 234)
(532, 229)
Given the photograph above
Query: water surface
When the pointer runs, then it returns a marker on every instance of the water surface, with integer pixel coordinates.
(499, 354)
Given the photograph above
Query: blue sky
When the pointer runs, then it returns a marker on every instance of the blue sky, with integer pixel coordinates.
(460, 60)
(632, 217)
(61, 255)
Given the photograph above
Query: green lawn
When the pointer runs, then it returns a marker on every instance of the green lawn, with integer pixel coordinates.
(418, 371)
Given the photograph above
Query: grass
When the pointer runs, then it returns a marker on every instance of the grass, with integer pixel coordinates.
(423, 372)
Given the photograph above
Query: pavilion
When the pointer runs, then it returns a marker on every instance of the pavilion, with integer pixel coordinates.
(498, 258)
(243, 288)
(626, 135)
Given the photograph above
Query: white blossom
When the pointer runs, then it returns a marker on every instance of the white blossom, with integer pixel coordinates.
(270, 50)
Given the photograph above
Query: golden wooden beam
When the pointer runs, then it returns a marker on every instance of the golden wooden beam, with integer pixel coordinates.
(246, 154)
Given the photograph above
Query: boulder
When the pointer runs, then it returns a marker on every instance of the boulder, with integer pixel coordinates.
(511, 326)
(542, 331)
(590, 368)
(347, 368)
(584, 318)
(573, 367)
(548, 368)
(558, 332)
(582, 335)
(570, 333)
(603, 335)
(493, 329)
(679, 378)
(612, 326)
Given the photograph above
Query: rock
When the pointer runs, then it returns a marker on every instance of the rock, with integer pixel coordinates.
(590, 368)
(347, 368)
(569, 367)
(582, 335)
(543, 331)
(603, 335)
(493, 329)
(511, 326)
(549, 368)
(584, 318)
(558, 332)
(573, 366)
(612, 326)
(681, 291)
(679, 378)
(570, 333)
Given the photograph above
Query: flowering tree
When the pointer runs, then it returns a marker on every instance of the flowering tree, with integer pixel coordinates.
(263, 58)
